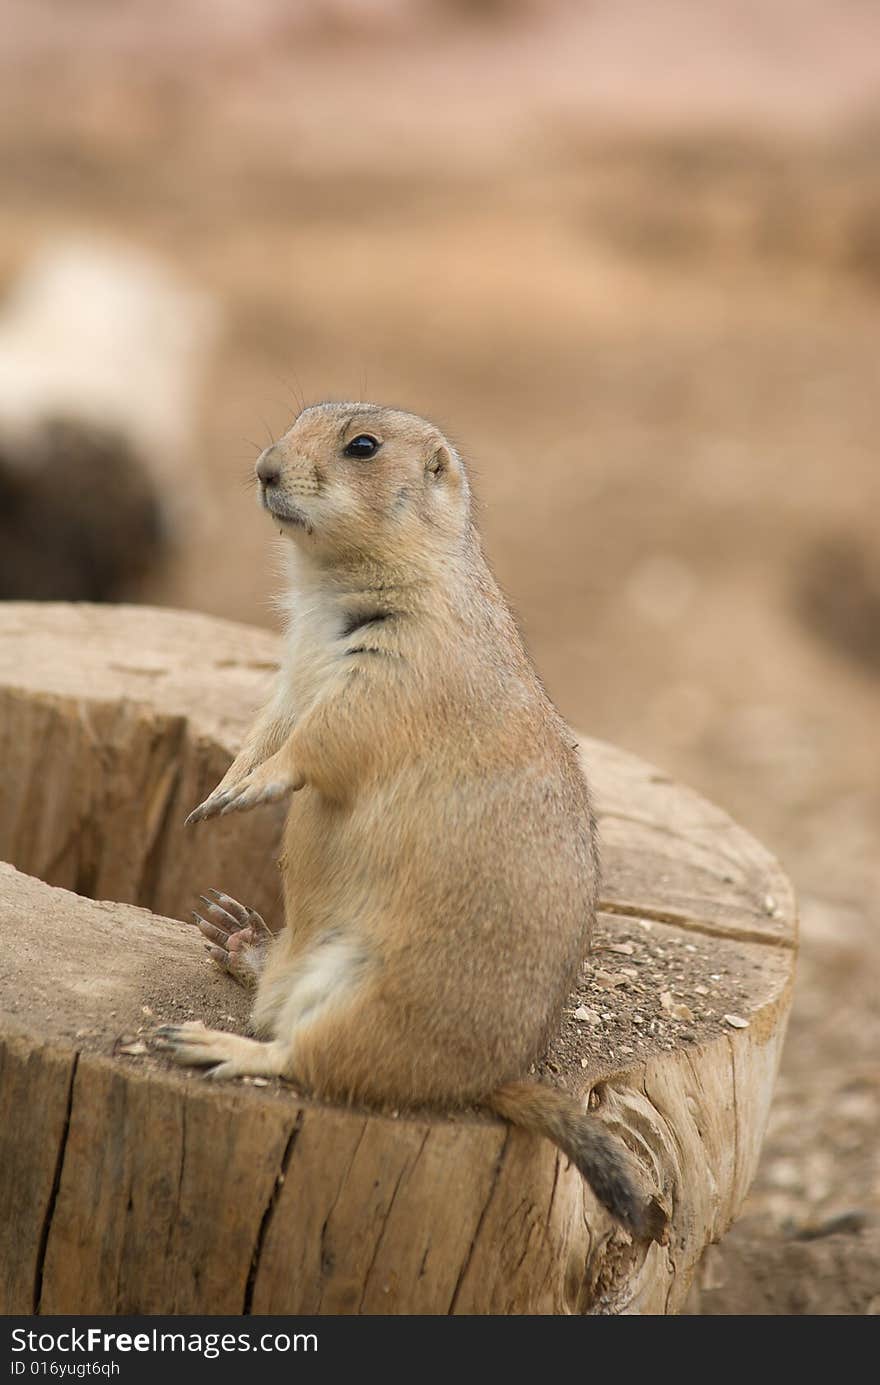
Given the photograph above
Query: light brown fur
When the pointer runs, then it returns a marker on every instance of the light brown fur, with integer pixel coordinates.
(439, 862)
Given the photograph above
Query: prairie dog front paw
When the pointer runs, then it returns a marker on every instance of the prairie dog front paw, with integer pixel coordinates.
(269, 782)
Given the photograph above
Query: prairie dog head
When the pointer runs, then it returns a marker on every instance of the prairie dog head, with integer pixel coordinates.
(360, 481)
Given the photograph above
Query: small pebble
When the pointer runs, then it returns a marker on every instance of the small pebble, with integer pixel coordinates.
(736, 1021)
(674, 1008)
(608, 980)
(587, 1016)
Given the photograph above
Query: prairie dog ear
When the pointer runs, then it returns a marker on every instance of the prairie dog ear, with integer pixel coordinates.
(442, 463)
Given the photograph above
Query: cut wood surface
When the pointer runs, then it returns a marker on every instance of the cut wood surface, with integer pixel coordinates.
(131, 1187)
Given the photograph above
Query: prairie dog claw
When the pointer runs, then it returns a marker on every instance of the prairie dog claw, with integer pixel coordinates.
(236, 937)
(267, 783)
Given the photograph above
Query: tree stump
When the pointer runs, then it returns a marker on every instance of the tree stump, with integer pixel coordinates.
(132, 1187)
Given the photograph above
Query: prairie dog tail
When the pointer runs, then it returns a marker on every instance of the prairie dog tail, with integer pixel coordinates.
(598, 1156)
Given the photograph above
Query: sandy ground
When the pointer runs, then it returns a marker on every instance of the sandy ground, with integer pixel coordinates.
(652, 325)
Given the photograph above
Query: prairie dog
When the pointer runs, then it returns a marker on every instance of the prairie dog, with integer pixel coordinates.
(439, 861)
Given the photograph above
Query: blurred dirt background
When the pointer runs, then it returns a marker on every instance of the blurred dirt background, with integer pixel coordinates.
(629, 257)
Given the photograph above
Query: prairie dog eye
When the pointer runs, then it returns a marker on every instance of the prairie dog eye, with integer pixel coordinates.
(363, 447)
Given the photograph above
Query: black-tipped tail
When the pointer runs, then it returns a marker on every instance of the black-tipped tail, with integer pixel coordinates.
(599, 1157)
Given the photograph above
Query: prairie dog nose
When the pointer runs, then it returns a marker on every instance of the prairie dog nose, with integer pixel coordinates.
(269, 467)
